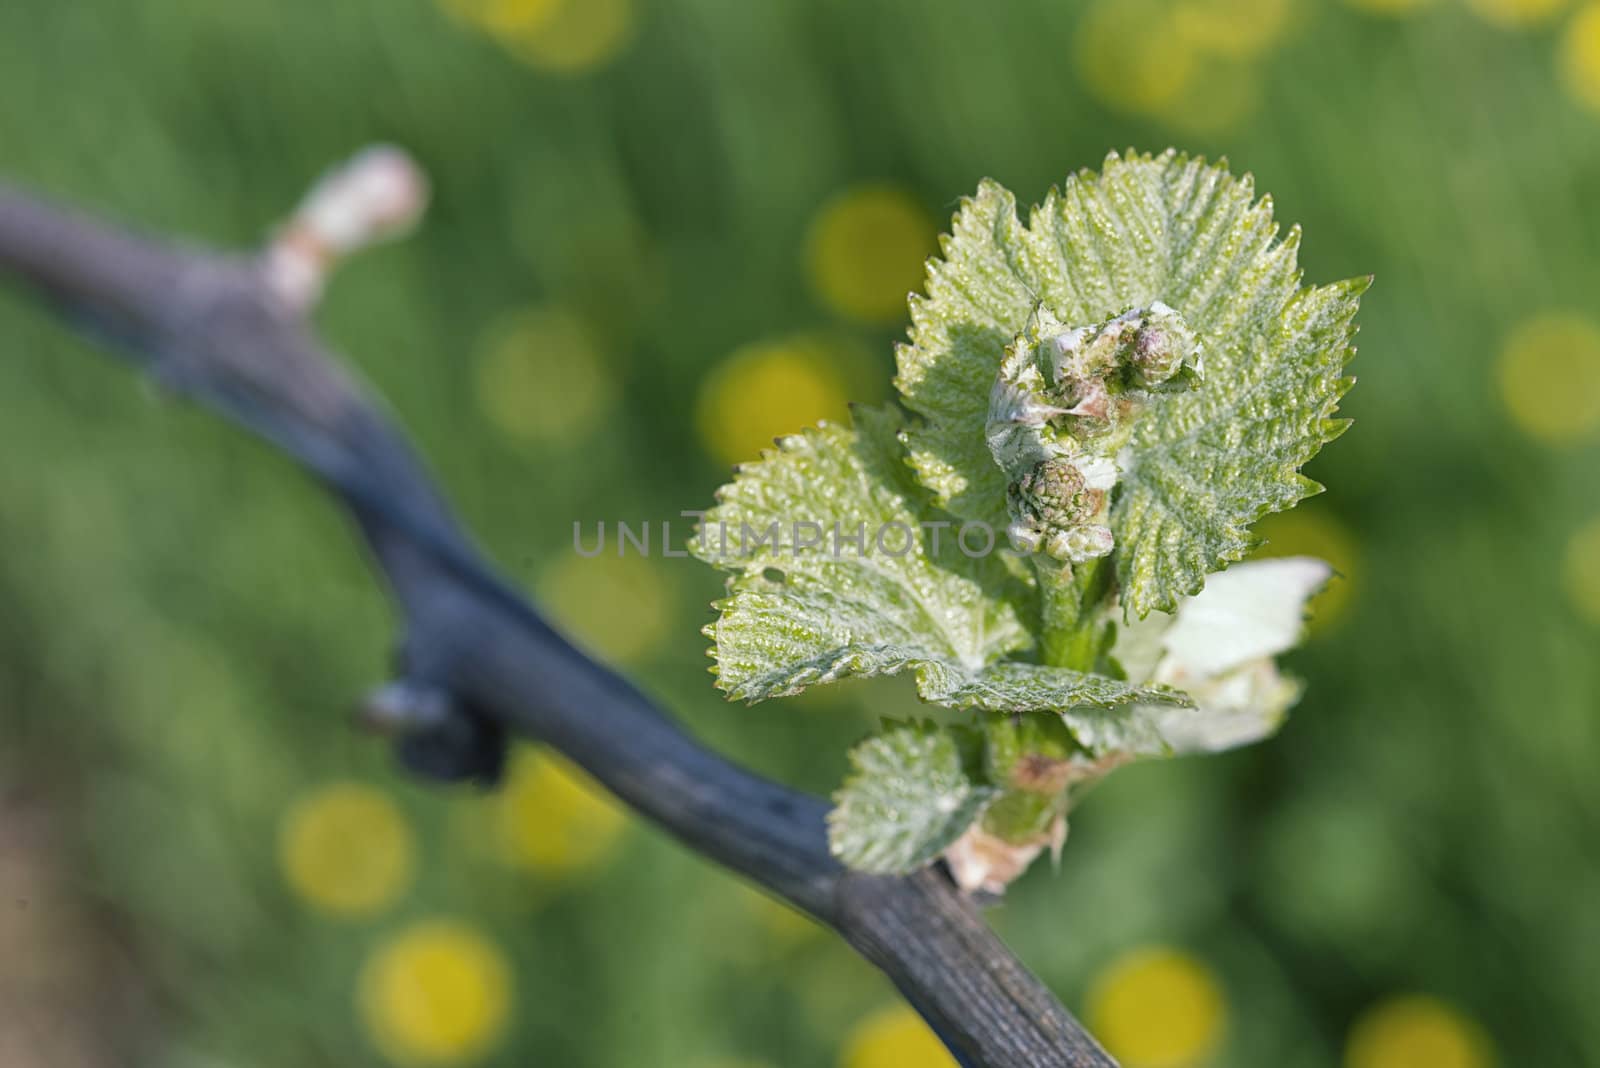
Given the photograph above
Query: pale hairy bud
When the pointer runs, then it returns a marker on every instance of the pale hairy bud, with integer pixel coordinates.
(378, 194)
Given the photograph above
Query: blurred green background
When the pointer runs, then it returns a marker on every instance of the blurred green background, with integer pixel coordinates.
(664, 230)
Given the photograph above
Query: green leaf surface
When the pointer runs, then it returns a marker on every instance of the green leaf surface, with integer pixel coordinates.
(799, 613)
(1203, 464)
(910, 795)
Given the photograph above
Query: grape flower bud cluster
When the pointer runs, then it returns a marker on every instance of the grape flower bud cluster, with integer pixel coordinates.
(1063, 406)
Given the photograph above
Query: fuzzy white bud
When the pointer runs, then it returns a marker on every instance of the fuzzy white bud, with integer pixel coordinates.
(379, 194)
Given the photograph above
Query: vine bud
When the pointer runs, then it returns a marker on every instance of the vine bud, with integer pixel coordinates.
(1053, 504)
(1162, 346)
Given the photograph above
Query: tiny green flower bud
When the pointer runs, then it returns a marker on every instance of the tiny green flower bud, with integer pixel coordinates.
(1162, 346)
(1054, 493)
(1053, 505)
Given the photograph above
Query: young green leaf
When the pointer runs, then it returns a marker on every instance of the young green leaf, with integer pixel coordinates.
(834, 574)
(808, 605)
(911, 795)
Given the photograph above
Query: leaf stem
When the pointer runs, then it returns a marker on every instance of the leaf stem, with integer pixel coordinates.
(1072, 633)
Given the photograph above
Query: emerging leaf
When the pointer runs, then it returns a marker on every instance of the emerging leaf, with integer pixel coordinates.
(911, 795)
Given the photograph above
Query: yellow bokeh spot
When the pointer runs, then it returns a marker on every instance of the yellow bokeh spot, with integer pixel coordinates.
(541, 378)
(1582, 571)
(347, 849)
(1238, 29)
(1416, 1031)
(438, 993)
(505, 16)
(1310, 530)
(1133, 54)
(1550, 377)
(766, 390)
(550, 819)
(1580, 57)
(894, 1038)
(1390, 7)
(616, 606)
(866, 251)
(579, 36)
(1513, 13)
(1157, 1008)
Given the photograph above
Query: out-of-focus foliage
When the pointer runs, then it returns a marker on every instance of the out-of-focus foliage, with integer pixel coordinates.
(635, 202)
